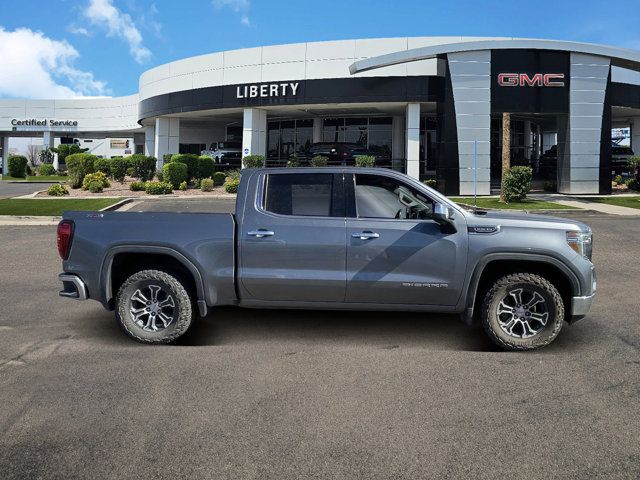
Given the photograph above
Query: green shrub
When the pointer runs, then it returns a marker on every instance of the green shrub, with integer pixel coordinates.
(79, 165)
(158, 188)
(632, 184)
(29, 171)
(205, 167)
(550, 187)
(634, 164)
(166, 158)
(17, 166)
(231, 186)
(46, 169)
(517, 183)
(319, 161)
(431, 183)
(95, 179)
(119, 167)
(365, 161)
(94, 186)
(206, 184)
(67, 149)
(232, 174)
(160, 175)
(617, 179)
(183, 186)
(137, 186)
(175, 173)
(102, 165)
(253, 161)
(219, 178)
(57, 190)
(196, 182)
(144, 167)
(191, 161)
(294, 161)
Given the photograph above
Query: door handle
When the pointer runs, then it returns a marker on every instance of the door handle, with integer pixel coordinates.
(261, 233)
(366, 235)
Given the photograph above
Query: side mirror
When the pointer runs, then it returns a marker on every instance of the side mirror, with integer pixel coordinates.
(443, 215)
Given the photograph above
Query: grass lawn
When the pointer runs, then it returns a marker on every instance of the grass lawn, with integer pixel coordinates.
(631, 202)
(38, 178)
(527, 204)
(51, 207)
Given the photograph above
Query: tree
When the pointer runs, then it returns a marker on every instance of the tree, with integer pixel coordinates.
(506, 150)
(46, 155)
(65, 150)
(33, 154)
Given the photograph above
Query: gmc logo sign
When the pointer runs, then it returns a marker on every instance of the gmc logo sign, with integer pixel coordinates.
(537, 80)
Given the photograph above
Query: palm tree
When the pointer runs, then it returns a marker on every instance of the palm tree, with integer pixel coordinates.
(506, 150)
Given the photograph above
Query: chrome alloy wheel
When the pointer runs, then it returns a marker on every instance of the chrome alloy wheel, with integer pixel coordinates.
(152, 308)
(522, 313)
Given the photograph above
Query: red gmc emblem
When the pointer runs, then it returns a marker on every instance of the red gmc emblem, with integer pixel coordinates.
(537, 80)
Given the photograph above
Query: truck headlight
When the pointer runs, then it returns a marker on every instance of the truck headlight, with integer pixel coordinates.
(581, 243)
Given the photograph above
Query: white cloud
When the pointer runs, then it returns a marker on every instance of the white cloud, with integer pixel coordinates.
(35, 66)
(238, 6)
(78, 30)
(104, 15)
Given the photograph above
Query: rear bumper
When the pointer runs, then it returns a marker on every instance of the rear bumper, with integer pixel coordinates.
(73, 286)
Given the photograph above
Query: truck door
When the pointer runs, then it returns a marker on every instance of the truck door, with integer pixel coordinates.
(292, 238)
(396, 253)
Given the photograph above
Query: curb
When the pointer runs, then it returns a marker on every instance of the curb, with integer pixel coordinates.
(117, 205)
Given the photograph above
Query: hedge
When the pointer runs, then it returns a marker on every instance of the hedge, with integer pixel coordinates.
(144, 167)
(78, 166)
(517, 183)
(191, 161)
(46, 169)
(158, 188)
(205, 167)
(253, 161)
(219, 178)
(175, 173)
(18, 166)
(119, 167)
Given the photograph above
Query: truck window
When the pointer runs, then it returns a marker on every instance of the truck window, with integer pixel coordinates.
(299, 194)
(383, 197)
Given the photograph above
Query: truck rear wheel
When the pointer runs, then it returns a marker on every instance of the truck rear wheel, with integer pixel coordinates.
(153, 306)
(522, 311)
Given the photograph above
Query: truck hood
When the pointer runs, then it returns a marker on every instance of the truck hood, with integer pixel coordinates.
(487, 218)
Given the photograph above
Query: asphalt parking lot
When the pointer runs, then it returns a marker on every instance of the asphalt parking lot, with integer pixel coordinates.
(13, 189)
(286, 394)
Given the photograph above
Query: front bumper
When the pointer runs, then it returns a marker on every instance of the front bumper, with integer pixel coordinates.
(73, 287)
(580, 306)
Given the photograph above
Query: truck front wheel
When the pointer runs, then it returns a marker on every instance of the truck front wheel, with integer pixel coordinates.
(153, 306)
(522, 311)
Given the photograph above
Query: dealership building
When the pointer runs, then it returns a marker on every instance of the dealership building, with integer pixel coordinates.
(429, 106)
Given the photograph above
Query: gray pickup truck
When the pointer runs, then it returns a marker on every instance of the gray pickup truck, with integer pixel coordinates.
(332, 238)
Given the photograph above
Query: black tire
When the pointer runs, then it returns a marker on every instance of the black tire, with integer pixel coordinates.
(506, 288)
(181, 313)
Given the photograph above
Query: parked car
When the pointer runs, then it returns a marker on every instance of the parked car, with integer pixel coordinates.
(340, 153)
(225, 153)
(336, 239)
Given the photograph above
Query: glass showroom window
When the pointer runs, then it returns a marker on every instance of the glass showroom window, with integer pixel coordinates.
(287, 137)
(374, 133)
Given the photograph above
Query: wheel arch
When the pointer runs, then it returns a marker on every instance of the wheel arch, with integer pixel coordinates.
(493, 266)
(124, 260)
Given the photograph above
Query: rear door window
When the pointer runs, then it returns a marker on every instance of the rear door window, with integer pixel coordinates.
(317, 194)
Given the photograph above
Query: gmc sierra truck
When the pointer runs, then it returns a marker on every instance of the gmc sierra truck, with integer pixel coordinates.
(337, 239)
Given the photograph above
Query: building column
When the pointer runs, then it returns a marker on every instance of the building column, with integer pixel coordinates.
(166, 138)
(317, 130)
(150, 141)
(471, 85)
(5, 155)
(412, 136)
(579, 167)
(397, 138)
(527, 139)
(254, 132)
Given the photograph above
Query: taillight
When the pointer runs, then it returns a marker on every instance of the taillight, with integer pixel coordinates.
(65, 235)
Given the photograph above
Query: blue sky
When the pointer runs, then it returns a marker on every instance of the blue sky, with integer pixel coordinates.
(65, 48)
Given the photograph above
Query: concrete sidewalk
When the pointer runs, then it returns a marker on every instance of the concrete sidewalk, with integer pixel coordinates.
(584, 203)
